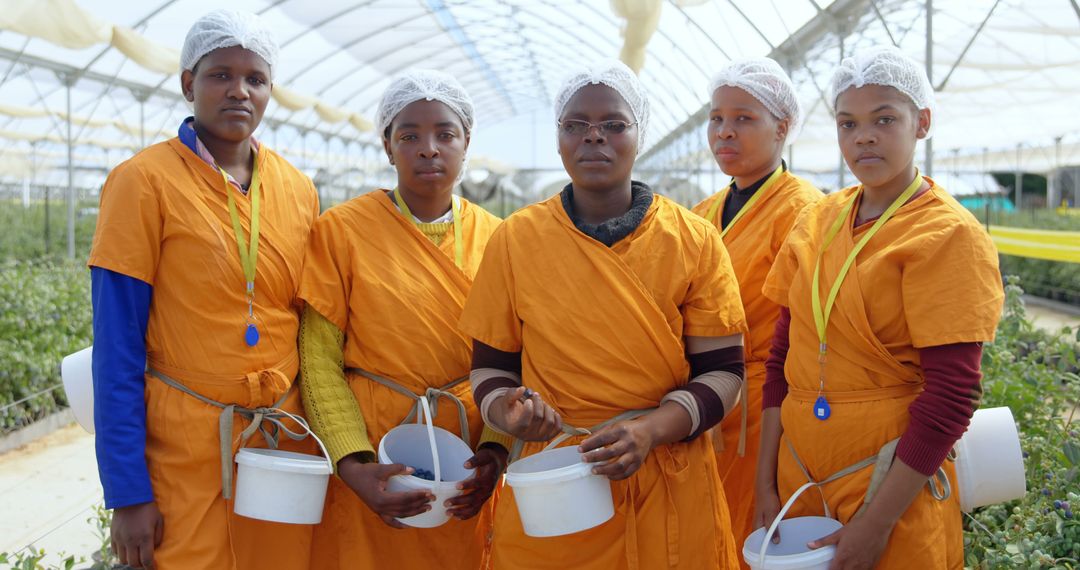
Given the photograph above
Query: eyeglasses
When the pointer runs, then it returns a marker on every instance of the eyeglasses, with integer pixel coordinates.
(576, 128)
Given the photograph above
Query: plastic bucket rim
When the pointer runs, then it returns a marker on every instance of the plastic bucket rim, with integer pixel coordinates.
(808, 557)
(385, 459)
(274, 460)
(551, 476)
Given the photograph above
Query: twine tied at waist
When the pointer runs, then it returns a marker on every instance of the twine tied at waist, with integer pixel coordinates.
(432, 395)
(265, 420)
(938, 483)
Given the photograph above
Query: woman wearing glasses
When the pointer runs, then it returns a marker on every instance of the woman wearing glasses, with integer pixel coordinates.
(610, 308)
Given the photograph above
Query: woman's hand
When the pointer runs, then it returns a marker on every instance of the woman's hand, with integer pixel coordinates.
(136, 531)
(620, 448)
(368, 481)
(859, 543)
(523, 414)
(766, 508)
(623, 446)
(489, 462)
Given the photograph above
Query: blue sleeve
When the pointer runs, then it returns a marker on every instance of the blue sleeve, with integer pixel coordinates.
(121, 311)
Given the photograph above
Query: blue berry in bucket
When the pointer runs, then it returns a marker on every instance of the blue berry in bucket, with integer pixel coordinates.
(423, 474)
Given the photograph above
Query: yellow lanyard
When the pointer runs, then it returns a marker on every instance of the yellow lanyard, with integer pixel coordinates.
(455, 212)
(249, 254)
(715, 207)
(821, 317)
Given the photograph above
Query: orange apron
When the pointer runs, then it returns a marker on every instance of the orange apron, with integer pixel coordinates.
(927, 278)
(752, 243)
(600, 331)
(164, 220)
(398, 297)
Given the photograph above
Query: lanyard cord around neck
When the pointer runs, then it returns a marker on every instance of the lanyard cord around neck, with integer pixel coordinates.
(715, 207)
(822, 314)
(249, 251)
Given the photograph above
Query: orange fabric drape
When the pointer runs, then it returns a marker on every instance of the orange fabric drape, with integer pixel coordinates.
(600, 331)
(164, 220)
(929, 277)
(398, 297)
(753, 244)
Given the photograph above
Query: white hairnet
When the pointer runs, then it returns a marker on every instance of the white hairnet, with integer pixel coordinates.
(766, 81)
(227, 28)
(616, 75)
(427, 84)
(886, 66)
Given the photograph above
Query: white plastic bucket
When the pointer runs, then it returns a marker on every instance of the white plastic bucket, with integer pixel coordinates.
(282, 486)
(792, 552)
(989, 461)
(556, 493)
(424, 446)
(78, 378)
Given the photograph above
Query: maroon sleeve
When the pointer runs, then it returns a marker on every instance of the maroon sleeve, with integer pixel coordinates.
(941, 413)
(776, 387)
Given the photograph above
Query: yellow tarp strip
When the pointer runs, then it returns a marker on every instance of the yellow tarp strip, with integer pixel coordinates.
(1037, 244)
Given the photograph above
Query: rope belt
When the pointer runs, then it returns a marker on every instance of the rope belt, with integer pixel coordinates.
(265, 420)
(937, 484)
(432, 395)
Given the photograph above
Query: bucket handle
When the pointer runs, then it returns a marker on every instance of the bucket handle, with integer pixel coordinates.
(776, 522)
(431, 439)
(303, 423)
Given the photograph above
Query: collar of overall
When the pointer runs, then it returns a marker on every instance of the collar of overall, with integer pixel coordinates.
(714, 209)
(455, 213)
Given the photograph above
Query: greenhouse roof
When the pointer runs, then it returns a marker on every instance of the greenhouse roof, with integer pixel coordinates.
(1006, 72)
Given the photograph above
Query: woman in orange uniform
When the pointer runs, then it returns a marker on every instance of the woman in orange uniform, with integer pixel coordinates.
(195, 263)
(890, 288)
(385, 279)
(608, 302)
(754, 112)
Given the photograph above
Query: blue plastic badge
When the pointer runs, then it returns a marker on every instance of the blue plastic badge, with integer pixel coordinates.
(251, 335)
(821, 408)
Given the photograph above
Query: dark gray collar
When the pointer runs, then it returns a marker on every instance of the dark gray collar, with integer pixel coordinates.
(615, 229)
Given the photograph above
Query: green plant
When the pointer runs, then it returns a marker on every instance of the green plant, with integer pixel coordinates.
(104, 559)
(27, 236)
(31, 559)
(1034, 373)
(44, 315)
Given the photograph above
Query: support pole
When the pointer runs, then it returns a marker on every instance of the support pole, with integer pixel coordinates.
(1019, 176)
(840, 170)
(68, 82)
(928, 162)
(142, 122)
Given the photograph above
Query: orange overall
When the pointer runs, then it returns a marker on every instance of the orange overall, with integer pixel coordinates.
(164, 220)
(928, 278)
(397, 296)
(753, 242)
(600, 331)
